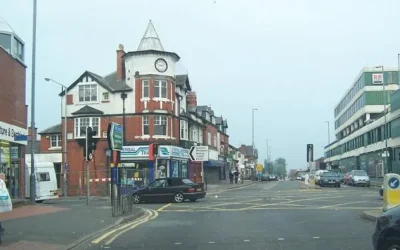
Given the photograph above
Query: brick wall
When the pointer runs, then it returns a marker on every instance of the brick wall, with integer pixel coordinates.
(12, 96)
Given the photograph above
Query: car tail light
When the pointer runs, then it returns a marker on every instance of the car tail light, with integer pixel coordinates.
(191, 190)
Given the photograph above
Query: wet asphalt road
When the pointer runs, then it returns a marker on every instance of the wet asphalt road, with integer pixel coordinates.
(271, 215)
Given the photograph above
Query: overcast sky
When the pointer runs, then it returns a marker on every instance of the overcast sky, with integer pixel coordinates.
(291, 59)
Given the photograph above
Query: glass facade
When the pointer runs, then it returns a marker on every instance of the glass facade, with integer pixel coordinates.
(10, 166)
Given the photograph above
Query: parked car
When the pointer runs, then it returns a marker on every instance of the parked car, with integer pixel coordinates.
(273, 177)
(318, 175)
(330, 179)
(170, 189)
(359, 177)
(265, 177)
(387, 230)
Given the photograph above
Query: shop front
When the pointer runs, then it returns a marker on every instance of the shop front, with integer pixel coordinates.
(171, 162)
(12, 158)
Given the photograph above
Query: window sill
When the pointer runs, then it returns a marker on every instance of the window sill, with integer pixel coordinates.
(86, 103)
(160, 99)
(83, 137)
(145, 99)
(54, 148)
(161, 137)
(105, 101)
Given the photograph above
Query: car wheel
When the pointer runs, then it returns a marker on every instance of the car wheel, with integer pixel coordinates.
(338, 186)
(391, 243)
(178, 198)
(193, 199)
(136, 198)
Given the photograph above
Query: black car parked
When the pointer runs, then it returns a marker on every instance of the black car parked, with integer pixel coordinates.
(387, 230)
(170, 189)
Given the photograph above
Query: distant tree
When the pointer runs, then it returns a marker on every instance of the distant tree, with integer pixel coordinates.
(279, 167)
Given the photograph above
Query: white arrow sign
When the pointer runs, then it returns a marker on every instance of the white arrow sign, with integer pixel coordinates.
(199, 153)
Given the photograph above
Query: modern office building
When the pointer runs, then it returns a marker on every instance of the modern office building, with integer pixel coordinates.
(360, 123)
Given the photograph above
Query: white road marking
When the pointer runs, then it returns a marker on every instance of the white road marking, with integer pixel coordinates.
(316, 237)
(211, 242)
(281, 238)
(246, 240)
(178, 243)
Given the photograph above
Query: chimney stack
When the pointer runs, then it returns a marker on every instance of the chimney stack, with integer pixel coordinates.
(120, 63)
(191, 101)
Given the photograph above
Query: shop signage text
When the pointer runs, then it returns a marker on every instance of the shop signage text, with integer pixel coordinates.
(164, 151)
(8, 133)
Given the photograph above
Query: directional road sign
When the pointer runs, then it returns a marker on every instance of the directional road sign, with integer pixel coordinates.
(199, 153)
(393, 183)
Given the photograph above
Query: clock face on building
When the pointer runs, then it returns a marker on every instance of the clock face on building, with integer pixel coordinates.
(161, 65)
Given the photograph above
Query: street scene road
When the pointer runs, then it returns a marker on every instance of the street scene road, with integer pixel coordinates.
(265, 215)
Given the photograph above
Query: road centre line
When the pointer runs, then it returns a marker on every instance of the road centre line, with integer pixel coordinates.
(143, 218)
(164, 207)
(294, 201)
(270, 208)
(154, 215)
(348, 203)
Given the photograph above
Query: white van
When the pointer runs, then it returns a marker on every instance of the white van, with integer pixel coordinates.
(318, 175)
(46, 181)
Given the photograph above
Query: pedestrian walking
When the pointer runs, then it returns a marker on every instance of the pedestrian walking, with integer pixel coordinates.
(5, 200)
(230, 177)
(236, 176)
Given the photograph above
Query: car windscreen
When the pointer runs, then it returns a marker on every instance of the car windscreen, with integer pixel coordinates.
(360, 173)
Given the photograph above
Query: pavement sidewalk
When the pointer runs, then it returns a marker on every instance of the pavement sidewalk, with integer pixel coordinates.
(371, 215)
(225, 185)
(60, 224)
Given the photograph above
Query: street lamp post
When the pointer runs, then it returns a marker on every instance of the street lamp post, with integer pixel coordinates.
(329, 136)
(32, 176)
(65, 150)
(385, 114)
(123, 97)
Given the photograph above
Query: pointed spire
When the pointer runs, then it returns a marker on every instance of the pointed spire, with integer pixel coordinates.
(150, 40)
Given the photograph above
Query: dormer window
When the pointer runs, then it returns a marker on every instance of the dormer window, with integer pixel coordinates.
(106, 96)
(55, 141)
(88, 93)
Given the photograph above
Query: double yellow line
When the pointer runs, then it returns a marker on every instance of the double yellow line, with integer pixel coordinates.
(110, 236)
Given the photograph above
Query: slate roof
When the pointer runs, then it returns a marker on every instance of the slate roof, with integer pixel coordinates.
(109, 82)
(183, 81)
(87, 110)
(55, 129)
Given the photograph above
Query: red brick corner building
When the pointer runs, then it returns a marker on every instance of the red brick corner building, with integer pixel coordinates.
(146, 96)
(13, 115)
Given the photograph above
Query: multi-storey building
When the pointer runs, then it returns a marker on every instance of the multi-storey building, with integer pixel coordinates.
(359, 123)
(153, 103)
(13, 115)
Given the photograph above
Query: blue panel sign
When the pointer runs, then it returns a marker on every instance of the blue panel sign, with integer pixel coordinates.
(393, 183)
(20, 138)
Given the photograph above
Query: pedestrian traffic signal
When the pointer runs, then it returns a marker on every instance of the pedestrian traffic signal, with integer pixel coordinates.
(90, 144)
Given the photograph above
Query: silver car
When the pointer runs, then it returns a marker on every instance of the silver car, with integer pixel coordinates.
(359, 178)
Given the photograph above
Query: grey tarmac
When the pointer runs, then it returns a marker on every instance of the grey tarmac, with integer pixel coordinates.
(266, 215)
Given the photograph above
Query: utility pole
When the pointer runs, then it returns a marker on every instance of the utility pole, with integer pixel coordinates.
(33, 134)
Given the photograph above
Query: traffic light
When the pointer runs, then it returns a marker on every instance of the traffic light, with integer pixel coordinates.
(90, 145)
(153, 151)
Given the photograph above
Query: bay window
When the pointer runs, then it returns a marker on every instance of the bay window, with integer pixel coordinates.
(160, 125)
(88, 93)
(160, 89)
(145, 125)
(145, 89)
(184, 130)
(83, 122)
